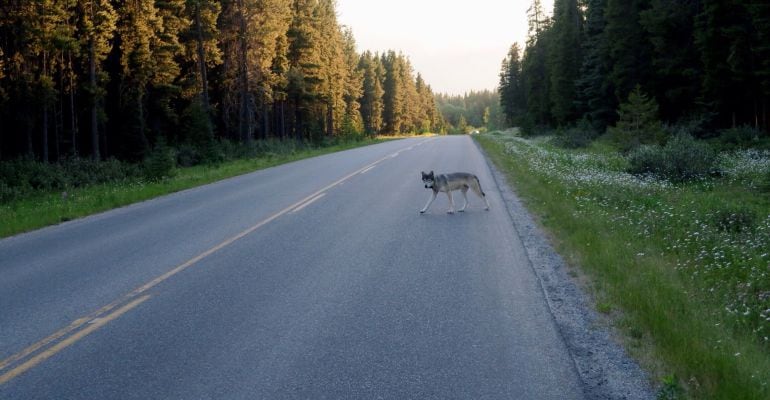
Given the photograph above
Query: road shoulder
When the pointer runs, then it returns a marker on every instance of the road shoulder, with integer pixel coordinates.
(605, 368)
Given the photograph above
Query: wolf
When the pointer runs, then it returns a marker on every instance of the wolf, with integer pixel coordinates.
(449, 182)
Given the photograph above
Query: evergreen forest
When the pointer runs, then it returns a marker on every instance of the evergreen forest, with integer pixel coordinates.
(467, 112)
(702, 66)
(107, 79)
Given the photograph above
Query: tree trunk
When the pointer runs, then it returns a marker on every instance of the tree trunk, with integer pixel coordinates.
(73, 121)
(94, 101)
(45, 112)
(244, 122)
(202, 66)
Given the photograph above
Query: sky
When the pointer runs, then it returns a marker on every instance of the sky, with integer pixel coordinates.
(457, 45)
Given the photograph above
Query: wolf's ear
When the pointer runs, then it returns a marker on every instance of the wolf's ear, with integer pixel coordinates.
(431, 173)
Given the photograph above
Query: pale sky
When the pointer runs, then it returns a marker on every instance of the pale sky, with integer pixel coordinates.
(457, 45)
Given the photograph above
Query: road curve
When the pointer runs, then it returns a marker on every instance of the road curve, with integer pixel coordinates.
(315, 279)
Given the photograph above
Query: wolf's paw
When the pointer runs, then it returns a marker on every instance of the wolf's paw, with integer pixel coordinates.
(463, 210)
(450, 211)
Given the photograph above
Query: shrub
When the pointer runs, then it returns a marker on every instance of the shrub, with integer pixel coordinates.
(576, 137)
(683, 158)
(734, 220)
(686, 158)
(188, 155)
(739, 137)
(646, 159)
(160, 163)
(573, 138)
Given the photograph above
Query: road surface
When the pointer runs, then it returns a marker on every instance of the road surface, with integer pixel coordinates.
(316, 279)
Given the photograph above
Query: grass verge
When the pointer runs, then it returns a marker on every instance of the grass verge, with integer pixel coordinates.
(681, 269)
(48, 208)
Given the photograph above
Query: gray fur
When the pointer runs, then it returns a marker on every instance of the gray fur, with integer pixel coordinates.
(448, 183)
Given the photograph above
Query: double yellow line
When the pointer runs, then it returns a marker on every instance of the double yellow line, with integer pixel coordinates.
(40, 351)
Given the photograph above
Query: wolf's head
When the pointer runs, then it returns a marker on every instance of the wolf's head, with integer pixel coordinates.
(428, 179)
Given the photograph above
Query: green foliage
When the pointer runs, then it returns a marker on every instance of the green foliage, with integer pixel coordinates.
(638, 122)
(740, 137)
(735, 219)
(702, 58)
(575, 137)
(691, 291)
(670, 389)
(23, 177)
(193, 72)
(473, 107)
(564, 60)
(510, 89)
(160, 162)
(682, 159)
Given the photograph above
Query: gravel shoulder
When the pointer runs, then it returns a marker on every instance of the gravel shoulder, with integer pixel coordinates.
(606, 369)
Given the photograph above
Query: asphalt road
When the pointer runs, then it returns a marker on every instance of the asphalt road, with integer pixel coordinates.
(316, 279)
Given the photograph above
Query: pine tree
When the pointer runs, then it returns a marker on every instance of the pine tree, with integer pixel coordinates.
(250, 31)
(638, 122)
(393, 97)
(723, 38)
(164, 86)
(670, 27)
(510, 86)
(760, 18)
(564, 59)
(333, 71)
(353, 122)
(535, 82)
(595, 98)
(629, 49)
(97, 24)
(201, 53)
(371, 100)
(305, 75)
(138, 27)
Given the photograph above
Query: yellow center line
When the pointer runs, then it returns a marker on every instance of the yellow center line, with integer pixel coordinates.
(32, 362)
(131, 296)
(307, 203)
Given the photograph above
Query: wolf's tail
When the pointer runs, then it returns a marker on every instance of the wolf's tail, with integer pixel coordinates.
(479, 183)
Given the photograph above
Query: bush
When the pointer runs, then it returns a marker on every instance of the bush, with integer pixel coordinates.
(739, 137)
(24, 176)
(646, 159)
(683, 158)
(735, 220)
(687, 158)
(188, 155)
(160, 163)
(576, 137)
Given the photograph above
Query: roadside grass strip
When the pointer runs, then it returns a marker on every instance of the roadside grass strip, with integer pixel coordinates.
(49, 208)
(682, 269)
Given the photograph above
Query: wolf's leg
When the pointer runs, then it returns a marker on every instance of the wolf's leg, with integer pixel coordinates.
(451, 209)
(465, 196)
(430, 201)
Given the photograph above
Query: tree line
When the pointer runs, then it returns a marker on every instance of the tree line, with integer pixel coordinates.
(110, 78)
(705, 63)
(466, 112)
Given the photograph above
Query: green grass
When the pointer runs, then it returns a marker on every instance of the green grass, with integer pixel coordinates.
(682, 269)
(41, 209)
